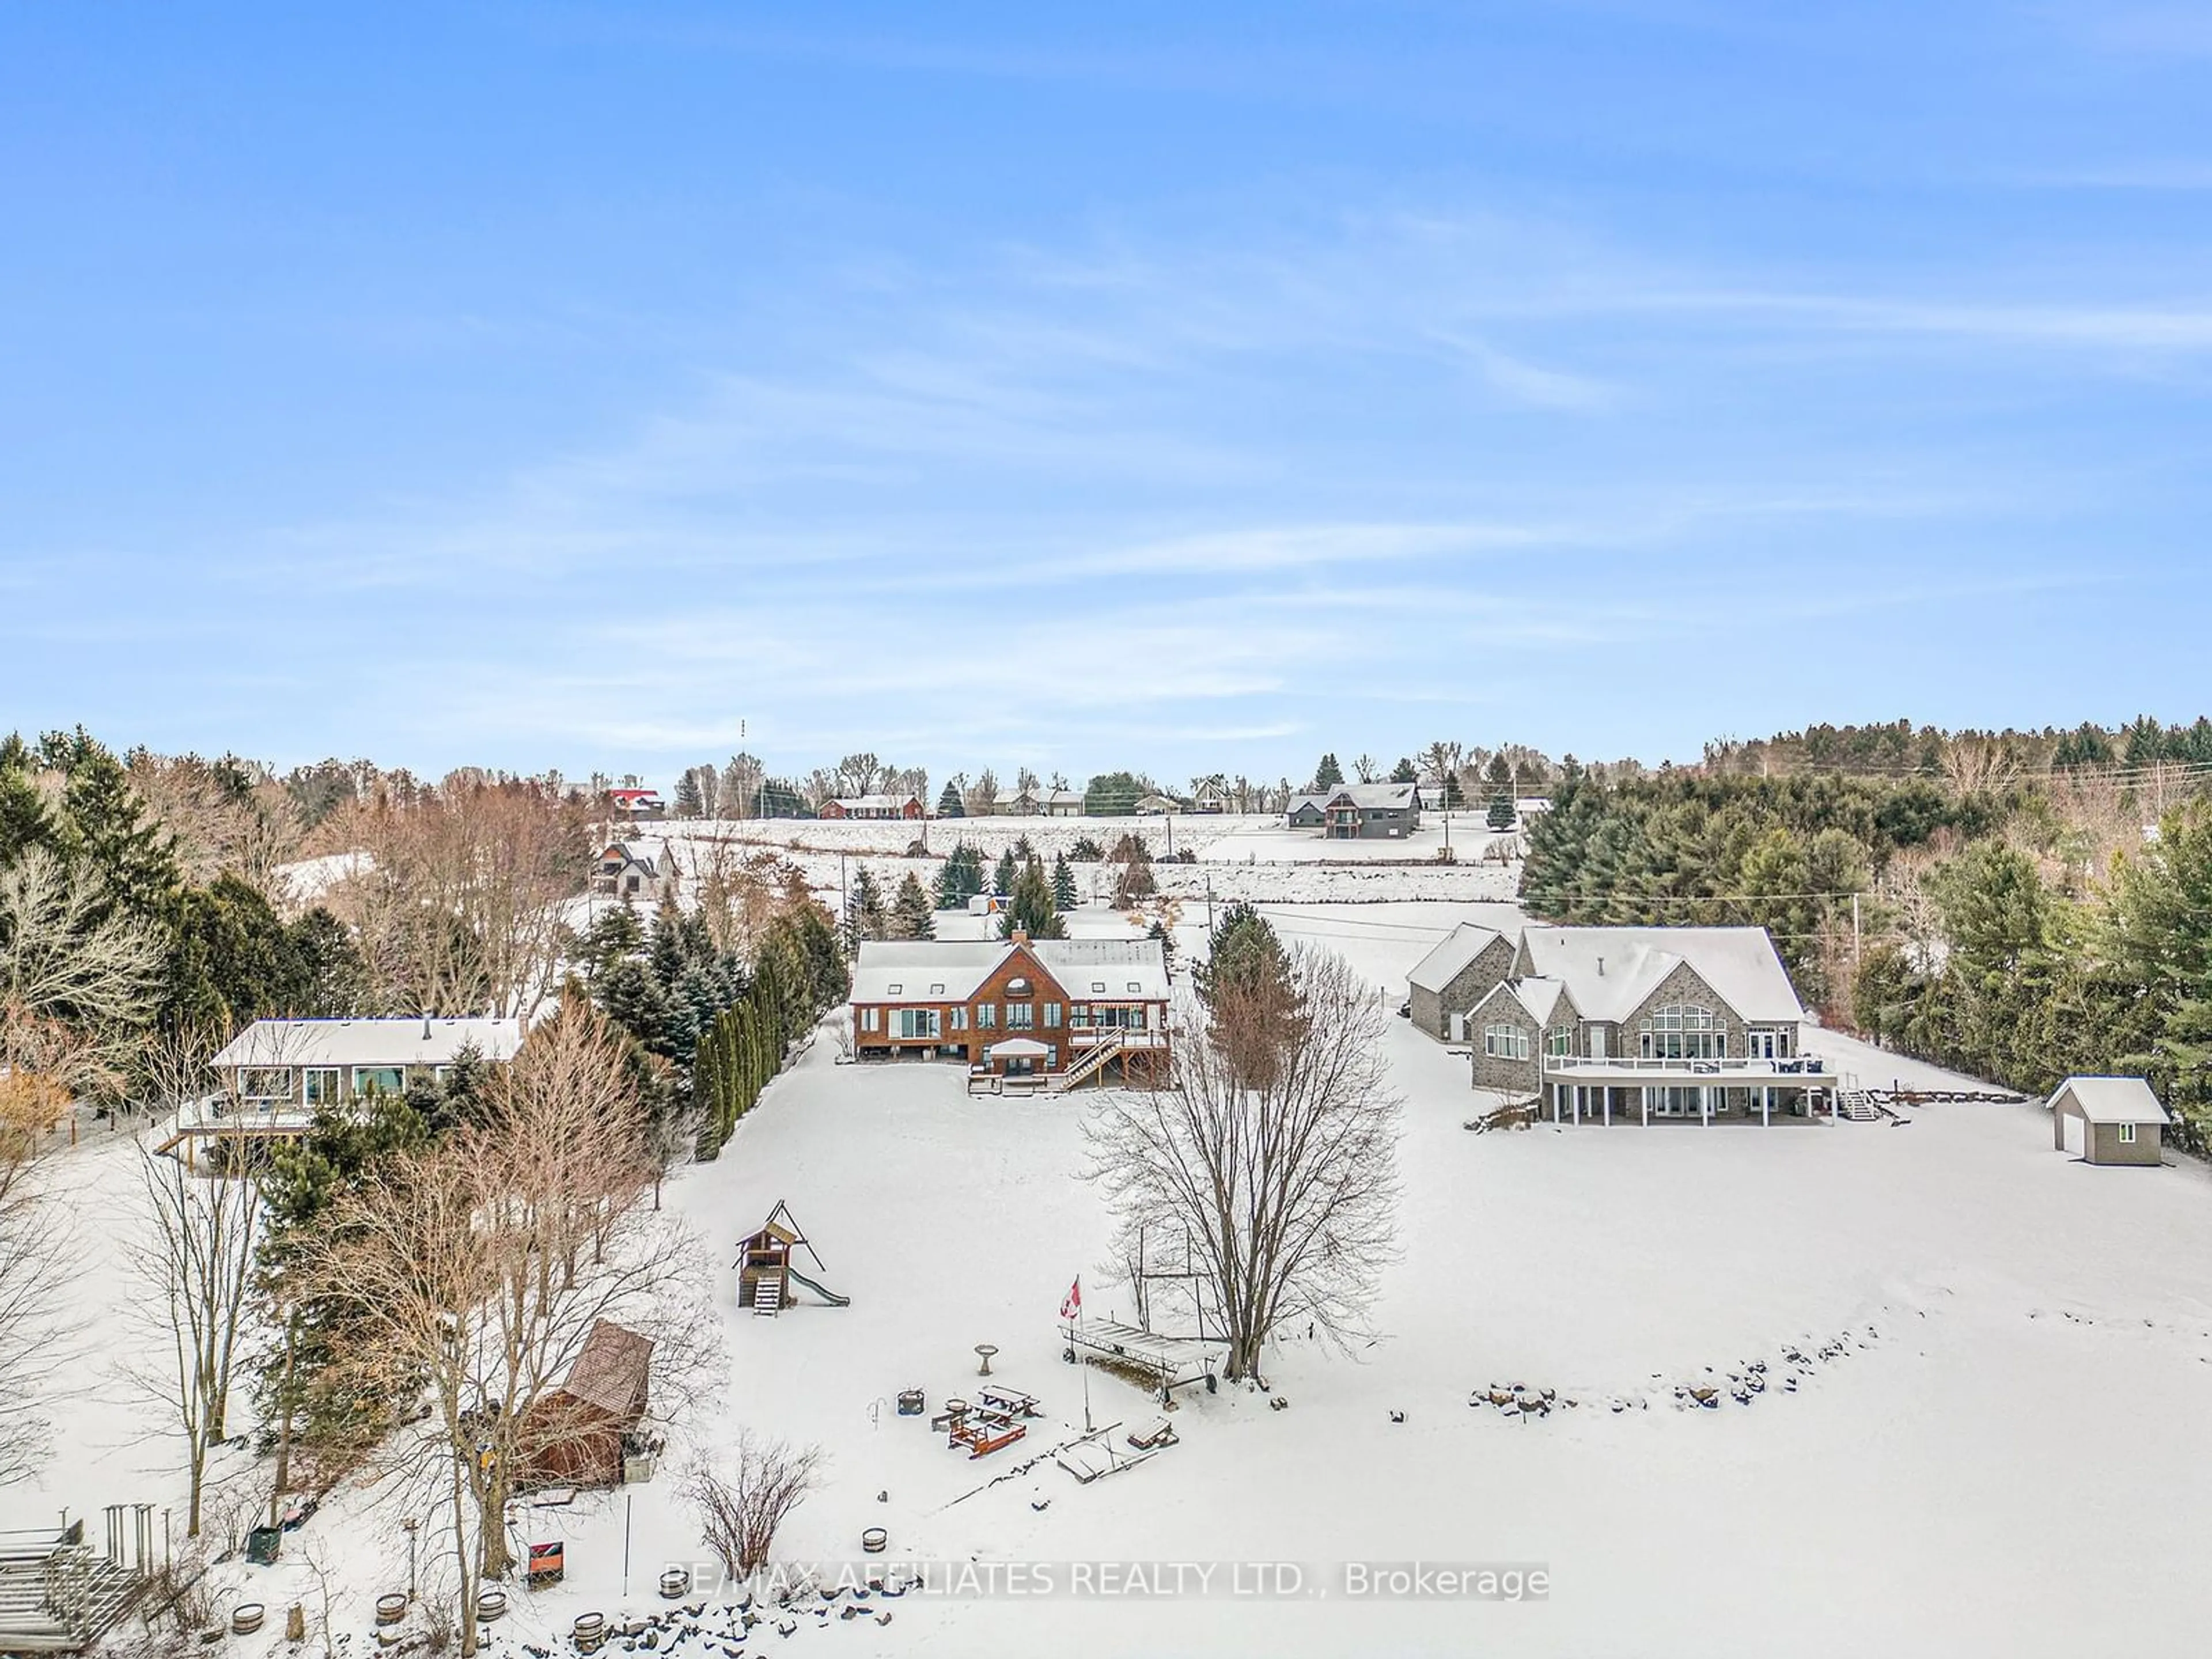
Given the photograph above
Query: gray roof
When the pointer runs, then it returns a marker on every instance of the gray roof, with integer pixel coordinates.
(1436, 970)
(2111, 1099)
(411, 1042)
(1608, 971)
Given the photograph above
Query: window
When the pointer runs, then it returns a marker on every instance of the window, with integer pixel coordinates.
(1682, 1031)
(960, 1017)
(1052, 1014)
(1559, 1042)
(1018, 986)
(265, 1085)
(938, 989)
(1079, 1014)
(1136, 985)
(1098, 985)
(379, 1079)
(2127, 1134)
(871, 1019)
(987, 1016)
(1021, 1015)
(1504, 1042)
(918, 1022)
(895, 989)
(322, 1085)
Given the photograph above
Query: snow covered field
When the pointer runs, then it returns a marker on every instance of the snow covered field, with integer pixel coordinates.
(1991, 1460)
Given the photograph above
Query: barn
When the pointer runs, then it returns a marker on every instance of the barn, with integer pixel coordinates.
(575, 1434)
(2108, 1120)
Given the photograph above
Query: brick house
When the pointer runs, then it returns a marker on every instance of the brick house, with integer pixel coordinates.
(874, 807)
(1698, 1023)
(1015, 1007)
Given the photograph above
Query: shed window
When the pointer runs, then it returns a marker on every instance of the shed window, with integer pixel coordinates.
(2127, 1134)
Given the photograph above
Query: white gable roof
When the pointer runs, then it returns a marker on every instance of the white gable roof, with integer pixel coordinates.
(1436, 970)
(914, 970)
(2112, 1099)
(410, 1042)
(1609, 971)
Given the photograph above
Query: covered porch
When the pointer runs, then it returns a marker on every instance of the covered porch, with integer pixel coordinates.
(1576, 1089)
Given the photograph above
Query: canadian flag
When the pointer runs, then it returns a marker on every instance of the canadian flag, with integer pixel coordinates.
(1072, 1306)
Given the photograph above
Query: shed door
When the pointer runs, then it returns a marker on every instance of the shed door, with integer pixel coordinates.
(2075, 1128)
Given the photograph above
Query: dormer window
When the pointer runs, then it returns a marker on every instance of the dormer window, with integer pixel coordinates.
(1018, 986)
(1098, 985)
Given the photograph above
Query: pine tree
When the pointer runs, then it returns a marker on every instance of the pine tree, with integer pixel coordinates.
(864, 908)
(912, 915)
(1029, 907)
(1405, 772)
(689, 804)
(1063, 883)
(1002, 879)
(949, 804)
(961, 878)
(1502, 812)
(1328, 773)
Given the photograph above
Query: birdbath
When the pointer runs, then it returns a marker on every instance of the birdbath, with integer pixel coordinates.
(983, 1351)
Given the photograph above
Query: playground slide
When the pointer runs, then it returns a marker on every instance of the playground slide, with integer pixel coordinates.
(822, 1291)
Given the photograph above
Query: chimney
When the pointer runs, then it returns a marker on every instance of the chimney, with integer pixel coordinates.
(426, 1025)
(1600, 967)
(1019, 936)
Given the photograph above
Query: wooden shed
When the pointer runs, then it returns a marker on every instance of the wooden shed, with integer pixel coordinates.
(2108, 1120)
(576, 1433)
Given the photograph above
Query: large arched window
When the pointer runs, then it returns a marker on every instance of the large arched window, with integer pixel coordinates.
(1682, 1031)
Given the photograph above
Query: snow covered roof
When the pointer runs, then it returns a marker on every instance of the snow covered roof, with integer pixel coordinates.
(876, 803)
(1609, 971)
(1369, 797)
(1537, 995)
(1017, 1048)
(622, 852)
(410, 1042)
(1458, 948)
(952, 970)
(2111, 1099)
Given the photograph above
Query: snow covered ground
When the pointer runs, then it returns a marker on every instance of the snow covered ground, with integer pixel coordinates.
(1989, 1458)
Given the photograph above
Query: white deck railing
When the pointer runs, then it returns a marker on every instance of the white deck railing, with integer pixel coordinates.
(1566, 1064)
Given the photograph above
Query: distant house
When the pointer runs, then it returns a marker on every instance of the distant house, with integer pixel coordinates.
(1445, 985)
(627, 870)
(1022, 804)
(1358, 811)
(1685, 1024)
(573, 1435)
(291, 1066)
(1212, 797)
(1061, 803)
(1014, 1006)
(874, 807)
(2108, 1120)
(640, 804)
(1157, 805)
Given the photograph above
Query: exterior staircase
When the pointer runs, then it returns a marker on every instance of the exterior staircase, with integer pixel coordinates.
(57, 1595)
(1853, 1103)
(1088, 1065)
(768, 1295)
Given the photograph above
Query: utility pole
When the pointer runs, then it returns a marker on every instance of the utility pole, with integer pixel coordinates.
(1209, 910)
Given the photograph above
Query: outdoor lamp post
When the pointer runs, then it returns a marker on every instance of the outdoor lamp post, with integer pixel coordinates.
(409, 1526)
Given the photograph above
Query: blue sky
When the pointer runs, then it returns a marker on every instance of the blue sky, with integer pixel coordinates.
(1162, 386)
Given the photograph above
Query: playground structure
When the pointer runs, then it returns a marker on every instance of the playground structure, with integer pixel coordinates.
(766, 1276)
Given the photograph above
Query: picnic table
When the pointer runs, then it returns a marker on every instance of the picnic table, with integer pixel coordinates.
(985, 1432)
(1009, 1401)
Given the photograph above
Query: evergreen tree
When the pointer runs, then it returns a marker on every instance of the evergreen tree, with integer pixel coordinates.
(1328, 773)
(1029, 907)
(864, 908)
(912, 914)
(961, 878)
(1112, 794)
(1502, 812)
(1063, 883)
(1002, 878)
(1405, 772)
(689, 802)
(949, 804)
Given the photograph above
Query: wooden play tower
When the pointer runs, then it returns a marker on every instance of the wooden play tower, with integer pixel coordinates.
(766, 1273)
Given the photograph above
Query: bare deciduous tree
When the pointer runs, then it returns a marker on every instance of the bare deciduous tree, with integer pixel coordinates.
(1274, 1145)
(194, 1261)
(77, 978)
(456, 905)
(741, 1509)
(478, 1267)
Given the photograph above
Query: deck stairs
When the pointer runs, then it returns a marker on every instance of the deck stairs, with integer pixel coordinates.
(1087, 1067)
(1856, 1104)
(57, 1595)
